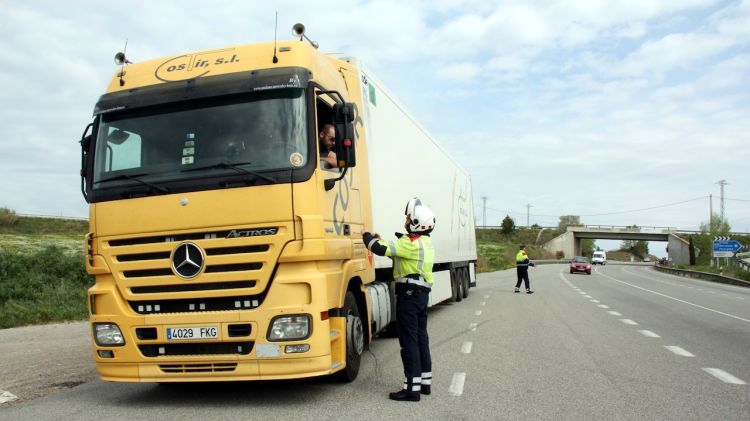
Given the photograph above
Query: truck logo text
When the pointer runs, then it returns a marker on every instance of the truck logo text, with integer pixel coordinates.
(194, 65)
(252, 233)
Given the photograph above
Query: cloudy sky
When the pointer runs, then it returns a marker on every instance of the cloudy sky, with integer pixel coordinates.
(622, 112)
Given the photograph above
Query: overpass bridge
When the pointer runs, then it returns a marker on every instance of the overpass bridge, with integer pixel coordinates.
(570, 242)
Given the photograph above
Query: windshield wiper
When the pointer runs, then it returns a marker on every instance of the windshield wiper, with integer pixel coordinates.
(233, 166)
(136, 179)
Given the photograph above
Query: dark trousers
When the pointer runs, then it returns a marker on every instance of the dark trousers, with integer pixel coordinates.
(523, 275)
(411, 316)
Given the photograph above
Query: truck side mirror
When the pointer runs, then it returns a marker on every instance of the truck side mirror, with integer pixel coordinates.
(343, 119)
(85, 142)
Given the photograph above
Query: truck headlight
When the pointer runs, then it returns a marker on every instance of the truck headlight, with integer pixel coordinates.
(108, 334)
(289, 328)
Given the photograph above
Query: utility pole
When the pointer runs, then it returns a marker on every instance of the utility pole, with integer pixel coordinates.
(528, 207)
(484, 211)
(721, 184)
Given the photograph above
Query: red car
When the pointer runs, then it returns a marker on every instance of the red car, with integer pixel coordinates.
(580, 264)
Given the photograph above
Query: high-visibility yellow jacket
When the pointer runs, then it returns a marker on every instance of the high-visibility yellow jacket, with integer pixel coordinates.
(412, 254)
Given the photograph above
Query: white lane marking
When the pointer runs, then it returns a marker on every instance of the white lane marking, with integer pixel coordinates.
(586, 296)
(676, 299)
(478, 313)
(649, 334)
(582, 292)
(603, 306)
(679, 351)
(739, 298)
(457, 384)
(614, 313)
(473, 327)
(7, 396)
(466, 348)
(629, 322)
(486, 296)
(724, 376)
(594, 301)
(482, 303)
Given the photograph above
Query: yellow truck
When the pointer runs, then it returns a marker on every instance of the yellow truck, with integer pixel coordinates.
(222, 246)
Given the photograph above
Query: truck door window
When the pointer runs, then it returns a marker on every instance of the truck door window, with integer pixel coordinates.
(324, 115)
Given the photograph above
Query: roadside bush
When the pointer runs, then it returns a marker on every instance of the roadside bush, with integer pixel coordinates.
(42, 287)
(7, 216)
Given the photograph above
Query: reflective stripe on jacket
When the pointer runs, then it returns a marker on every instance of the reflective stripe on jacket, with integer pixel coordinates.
(412, 255)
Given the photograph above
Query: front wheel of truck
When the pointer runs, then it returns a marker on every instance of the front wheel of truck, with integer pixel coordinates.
(355, 339)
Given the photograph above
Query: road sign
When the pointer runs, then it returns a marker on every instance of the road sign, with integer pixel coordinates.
(727, 245)
(723, 254)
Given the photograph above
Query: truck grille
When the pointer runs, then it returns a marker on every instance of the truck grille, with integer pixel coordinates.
(205, 348)
(236, 268)
(197, 368)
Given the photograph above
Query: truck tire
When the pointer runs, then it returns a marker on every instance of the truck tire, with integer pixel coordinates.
(458, 295)
(354, 340)
(466, 279)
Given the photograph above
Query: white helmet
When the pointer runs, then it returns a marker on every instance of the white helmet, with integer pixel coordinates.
(422, 218)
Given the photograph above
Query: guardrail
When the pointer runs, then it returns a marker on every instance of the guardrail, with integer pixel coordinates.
(707, 276)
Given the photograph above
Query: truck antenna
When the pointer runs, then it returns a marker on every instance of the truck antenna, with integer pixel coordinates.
(275, 31)
(121, 60)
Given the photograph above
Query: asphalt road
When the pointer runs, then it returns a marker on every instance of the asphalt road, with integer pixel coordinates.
(626, 343)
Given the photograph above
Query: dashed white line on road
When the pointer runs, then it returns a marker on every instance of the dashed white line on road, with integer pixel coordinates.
(676, 299)
(629, 322)
(581, 292)
(614, 313)
(7, 396)
(679, 351)
(473, 327)
(649, 334)
(486, 296)
(457, 384)
(482, 303)
(724, 376)
(478, 313)
(587, 296)
(466, 348)
(594, 301)
(603, 306)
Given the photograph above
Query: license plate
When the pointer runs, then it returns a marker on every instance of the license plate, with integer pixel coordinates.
(190, 333)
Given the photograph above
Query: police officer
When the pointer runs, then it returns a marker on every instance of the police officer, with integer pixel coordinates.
(522, 269)
(413, 256)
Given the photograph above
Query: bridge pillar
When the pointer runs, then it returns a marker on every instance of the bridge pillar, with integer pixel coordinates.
(678, 250)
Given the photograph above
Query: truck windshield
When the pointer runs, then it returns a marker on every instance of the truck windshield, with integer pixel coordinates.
(244, 135)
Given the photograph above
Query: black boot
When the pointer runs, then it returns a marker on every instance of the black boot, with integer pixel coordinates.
(426, 389)
(404, 395)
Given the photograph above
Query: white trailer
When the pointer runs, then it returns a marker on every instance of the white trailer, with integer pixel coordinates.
(396, 141)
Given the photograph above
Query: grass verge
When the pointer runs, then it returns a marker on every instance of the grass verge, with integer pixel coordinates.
(42, 286)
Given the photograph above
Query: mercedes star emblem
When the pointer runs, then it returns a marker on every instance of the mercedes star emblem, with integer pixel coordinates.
(187, 260)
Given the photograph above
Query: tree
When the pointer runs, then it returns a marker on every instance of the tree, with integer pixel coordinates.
(716, 226)
(568, 220)
(507, 226)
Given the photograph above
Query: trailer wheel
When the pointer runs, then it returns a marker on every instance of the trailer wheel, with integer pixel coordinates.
(466, 280)
(458, 283)
(355, 340)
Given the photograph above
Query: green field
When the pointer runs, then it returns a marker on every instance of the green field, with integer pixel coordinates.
(42, 273)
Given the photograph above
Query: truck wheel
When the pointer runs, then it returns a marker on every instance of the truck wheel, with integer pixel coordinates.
(466, 279)
(355, 339)
(458, 279)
